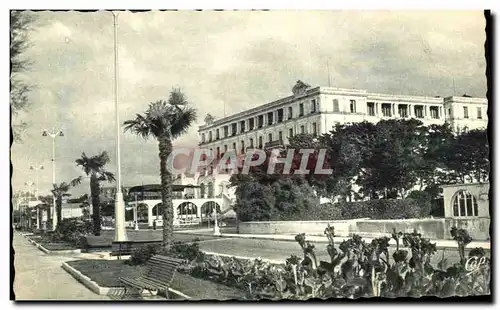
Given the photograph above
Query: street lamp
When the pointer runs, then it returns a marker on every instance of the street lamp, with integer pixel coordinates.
(216, 225)
(135, 213)
(36, 168)
(30, 185)
(120, 232)
(53, 134)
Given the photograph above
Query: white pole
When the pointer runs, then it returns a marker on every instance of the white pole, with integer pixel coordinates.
(120, 232)
(216, 225)
(36, 195)
(54, 212)
(135, 214)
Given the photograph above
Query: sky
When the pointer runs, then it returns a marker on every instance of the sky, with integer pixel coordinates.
(237, 59)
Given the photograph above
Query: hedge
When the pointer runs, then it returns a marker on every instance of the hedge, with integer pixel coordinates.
(383, 209)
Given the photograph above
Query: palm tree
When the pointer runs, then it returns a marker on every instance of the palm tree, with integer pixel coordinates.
(164, 121)
(61, 190)
(47, 201)
(94, 167)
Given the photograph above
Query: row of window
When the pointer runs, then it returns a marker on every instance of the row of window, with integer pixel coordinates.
(387, 110)
(259, 143)
(466, 112)
(269, 119)
(403, 110)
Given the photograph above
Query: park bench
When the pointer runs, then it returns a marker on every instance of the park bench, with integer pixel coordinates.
(158, 275)
(121, 248)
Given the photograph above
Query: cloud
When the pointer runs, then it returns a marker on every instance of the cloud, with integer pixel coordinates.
(235, 60)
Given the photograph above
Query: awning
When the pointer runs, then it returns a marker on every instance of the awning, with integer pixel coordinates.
(157, 188)
(32, 204)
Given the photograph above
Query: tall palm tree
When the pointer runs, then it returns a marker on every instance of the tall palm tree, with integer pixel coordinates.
(94, 167)
(61, 190)
(164, 121)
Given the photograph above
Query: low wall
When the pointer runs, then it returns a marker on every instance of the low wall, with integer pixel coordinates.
(429, 228)
(342, 228)
(478, 228)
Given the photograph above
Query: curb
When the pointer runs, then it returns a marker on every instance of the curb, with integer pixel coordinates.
(245, 257)
(53, 252)
(107, 291)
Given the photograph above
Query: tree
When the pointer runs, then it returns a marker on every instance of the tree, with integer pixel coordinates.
(20, 26)
(467, 157)
(61, 190)
(348, 149)
(47, 201)
(94, 167)
(165, 121)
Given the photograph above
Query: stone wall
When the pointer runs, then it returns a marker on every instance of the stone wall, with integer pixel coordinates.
(478, 228)
(342, 228)
(429, 228)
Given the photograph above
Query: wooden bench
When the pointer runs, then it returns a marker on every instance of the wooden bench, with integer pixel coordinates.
(120, 248)
(159, 273)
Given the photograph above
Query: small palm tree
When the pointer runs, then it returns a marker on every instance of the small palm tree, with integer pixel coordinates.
(47, 201)
(94, 167)
(61, 190)
(165, 121)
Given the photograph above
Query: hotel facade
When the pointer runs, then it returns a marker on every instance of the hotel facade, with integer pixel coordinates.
(316, 110)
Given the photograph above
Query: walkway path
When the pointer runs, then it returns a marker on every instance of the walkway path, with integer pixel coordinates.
(39, 276)
(323, 239)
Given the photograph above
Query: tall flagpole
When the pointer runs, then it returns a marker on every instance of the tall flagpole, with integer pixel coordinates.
(328, 69)
(120, 232)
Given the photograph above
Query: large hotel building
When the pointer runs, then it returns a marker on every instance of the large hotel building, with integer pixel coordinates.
(316, 110)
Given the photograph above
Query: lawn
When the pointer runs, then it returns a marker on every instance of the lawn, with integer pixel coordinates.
(106, 273)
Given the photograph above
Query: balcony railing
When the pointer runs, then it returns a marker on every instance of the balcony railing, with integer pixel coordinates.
(274, 144)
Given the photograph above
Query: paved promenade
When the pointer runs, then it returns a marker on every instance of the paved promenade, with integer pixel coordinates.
(40, 277)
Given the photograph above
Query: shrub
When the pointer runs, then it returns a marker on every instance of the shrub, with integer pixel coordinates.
(381, 209)
(185, 251)
(72, 230)
(141, 255)
(321, 212)
(424, 200)
(282, 200)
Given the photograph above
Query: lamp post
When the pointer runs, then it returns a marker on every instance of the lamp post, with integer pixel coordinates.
(37, 168)
(23, 199)
(135, 214)
(216, 225)
(30, 185)
(120, 232)
(53, 134)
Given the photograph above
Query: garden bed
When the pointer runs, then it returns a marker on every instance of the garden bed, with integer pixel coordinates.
(57, 246)
(106, 273)
(53, 245)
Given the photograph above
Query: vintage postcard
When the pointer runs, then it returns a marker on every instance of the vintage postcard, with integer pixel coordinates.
(250, 155)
